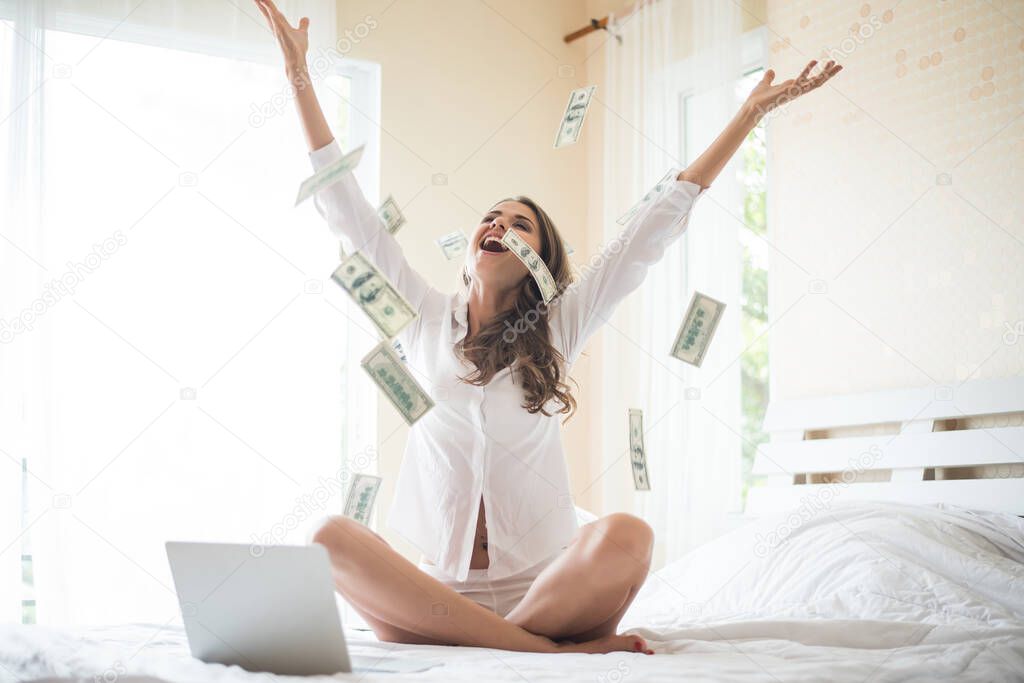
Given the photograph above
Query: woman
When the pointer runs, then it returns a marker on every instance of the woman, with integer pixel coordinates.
(483, 491)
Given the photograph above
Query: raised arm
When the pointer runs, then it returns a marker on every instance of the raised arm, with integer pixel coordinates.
(762, 99)
(294, 44)
(583, 308)
(352, 219)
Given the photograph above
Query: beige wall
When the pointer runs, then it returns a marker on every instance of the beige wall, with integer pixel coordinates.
(920, 277)
(473, 93)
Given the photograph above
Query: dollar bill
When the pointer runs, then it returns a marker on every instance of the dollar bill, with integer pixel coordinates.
(386, 308)
(453, 244)
(572, 120)
(514, 243)
(658, 187)
(328, 175)
(399, 351)
(391, 215)
(698, 328)
(392, 377)
(361, 494)
(641, 481)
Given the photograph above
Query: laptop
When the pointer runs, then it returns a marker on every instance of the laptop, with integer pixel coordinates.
(267, 608)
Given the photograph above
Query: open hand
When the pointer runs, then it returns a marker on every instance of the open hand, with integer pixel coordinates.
(767, 96)
(294, 41)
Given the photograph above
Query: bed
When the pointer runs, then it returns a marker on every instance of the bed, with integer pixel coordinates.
(854, 569)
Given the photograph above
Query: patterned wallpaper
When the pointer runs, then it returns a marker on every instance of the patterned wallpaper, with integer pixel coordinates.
(896, 202)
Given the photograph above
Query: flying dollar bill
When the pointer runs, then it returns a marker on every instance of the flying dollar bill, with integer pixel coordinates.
(328, 175)
(361, 494)
(658, 187)
(697, 329)
(572, 120)
(391, 215)
(514, 243)
(392, 377)
(399, 351)
(453, 244)
(641, 481)
(381, 302)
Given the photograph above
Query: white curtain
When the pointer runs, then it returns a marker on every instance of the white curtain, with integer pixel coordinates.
(196, 376)
(670, 91)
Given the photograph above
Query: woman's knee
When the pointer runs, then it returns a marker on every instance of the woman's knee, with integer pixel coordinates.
(338, 533)
(623, 534)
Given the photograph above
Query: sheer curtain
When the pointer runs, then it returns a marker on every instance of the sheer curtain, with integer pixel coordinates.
(176, 363)
(670, 91)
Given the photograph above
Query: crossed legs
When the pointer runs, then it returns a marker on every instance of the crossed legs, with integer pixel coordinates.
(583, 594)
(573, 606)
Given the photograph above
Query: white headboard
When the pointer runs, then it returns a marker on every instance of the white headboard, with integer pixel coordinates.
(944, 444)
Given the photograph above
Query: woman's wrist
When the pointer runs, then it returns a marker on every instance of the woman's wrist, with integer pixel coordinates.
(296, 69)
(298, 75)
(750, 114)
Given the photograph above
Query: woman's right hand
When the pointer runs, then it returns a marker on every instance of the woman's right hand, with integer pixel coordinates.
(294, 42)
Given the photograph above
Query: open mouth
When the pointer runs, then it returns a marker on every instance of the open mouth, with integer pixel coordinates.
(493, 245)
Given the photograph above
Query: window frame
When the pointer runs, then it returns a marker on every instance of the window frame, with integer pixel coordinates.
(753, 56)
(364, 114)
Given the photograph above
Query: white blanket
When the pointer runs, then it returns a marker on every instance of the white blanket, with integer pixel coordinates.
(860, 592)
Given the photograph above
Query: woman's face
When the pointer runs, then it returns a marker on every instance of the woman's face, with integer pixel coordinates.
(489, 261)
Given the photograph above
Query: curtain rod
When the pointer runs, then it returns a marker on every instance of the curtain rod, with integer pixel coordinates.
(595, 25)
(602, 24)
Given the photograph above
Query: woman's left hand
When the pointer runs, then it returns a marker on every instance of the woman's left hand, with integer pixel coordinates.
(767, 96)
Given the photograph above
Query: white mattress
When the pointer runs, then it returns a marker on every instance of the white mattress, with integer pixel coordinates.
(862, 591)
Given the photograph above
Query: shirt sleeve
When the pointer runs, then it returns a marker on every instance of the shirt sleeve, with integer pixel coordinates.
(622, 266)
(356, 224)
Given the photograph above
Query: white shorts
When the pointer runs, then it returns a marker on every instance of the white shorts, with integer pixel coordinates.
(501, 595)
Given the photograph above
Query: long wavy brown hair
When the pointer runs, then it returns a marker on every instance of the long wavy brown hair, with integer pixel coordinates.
(520, 337)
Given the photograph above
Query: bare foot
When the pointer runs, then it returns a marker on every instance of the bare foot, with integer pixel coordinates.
(613, 643)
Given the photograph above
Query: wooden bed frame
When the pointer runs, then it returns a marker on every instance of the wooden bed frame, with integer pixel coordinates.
(962, 445)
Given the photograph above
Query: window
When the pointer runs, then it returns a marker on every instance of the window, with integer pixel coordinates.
(751, 164)
(754, 289)
(195, 379)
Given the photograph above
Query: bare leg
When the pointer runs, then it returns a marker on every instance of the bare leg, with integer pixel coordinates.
(583, 594)
(403, 604)
(392, 634)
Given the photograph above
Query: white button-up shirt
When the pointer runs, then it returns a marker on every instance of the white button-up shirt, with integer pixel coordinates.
(478, 442)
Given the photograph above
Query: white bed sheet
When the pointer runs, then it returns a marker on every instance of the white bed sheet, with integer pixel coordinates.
(859, 592)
